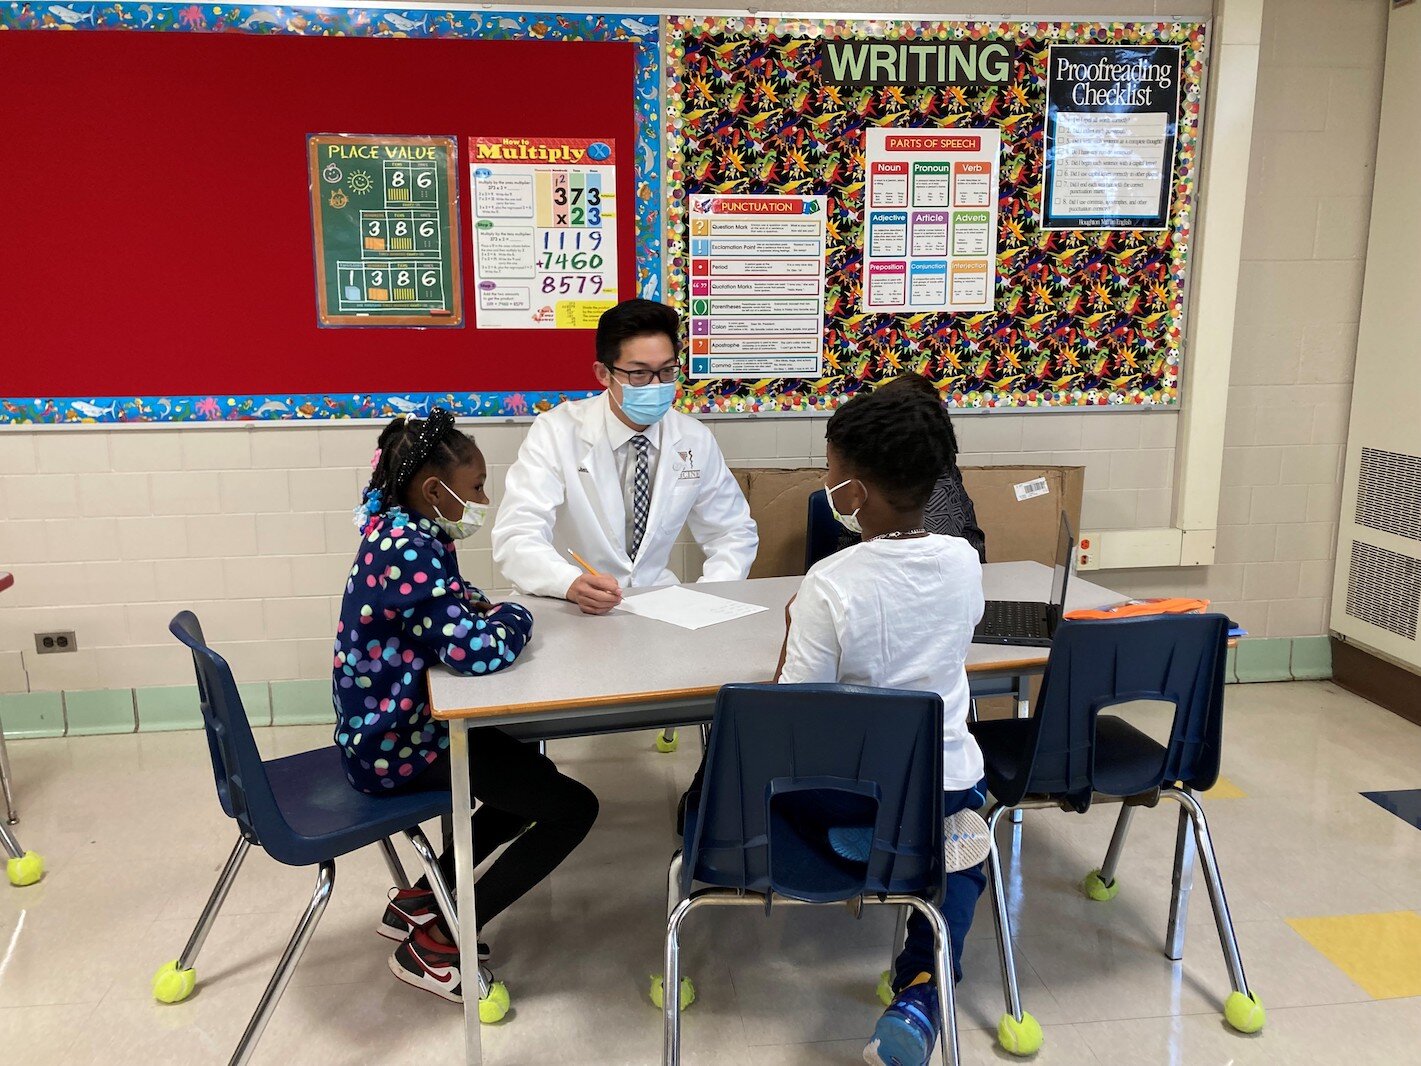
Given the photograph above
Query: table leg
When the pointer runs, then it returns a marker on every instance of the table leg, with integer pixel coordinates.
(463, 809)
(1023, 710)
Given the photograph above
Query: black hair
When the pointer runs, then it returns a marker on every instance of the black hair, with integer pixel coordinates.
(899, 440)
(634, 318)
(924, 387)
(406, 446)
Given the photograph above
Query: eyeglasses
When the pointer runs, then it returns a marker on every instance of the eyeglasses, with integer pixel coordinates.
(665, 375)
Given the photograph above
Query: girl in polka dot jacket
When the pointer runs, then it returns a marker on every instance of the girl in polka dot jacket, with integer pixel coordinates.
(406, 605)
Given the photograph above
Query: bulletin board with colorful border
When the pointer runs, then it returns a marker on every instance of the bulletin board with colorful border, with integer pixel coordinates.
(1081, 319)
(639, 30)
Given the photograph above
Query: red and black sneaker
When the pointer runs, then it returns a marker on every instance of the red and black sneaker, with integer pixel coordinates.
(423, 962)
(410, 909)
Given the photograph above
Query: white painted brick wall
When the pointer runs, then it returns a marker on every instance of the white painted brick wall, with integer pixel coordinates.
(110, 532)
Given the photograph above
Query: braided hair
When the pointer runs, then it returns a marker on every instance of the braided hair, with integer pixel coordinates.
(406, 446)
(924, 387)
(898, 438)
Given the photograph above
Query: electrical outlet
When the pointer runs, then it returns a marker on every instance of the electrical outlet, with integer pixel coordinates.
(54, 643)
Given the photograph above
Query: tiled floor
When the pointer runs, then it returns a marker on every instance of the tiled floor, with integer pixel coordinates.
(133, 838)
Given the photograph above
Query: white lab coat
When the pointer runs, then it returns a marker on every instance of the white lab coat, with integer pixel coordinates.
(564, 492)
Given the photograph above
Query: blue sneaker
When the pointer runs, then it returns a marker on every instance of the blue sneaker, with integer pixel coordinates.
(907, 1030)
(852, 842)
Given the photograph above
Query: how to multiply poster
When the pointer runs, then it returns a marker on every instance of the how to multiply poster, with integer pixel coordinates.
(1112, 116)
(757, 286)
(385, 212)
(930, 221)
(545, 231)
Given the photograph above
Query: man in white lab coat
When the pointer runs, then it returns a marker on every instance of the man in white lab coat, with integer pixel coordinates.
(615, 479)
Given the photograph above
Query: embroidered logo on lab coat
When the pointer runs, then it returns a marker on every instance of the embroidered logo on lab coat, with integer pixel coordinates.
(686, 469)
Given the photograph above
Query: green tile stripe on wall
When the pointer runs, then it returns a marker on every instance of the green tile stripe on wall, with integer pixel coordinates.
(168, 708)
(92, 713)
(301, 703)
(32, 714)
(1312, 658)
(103, 711)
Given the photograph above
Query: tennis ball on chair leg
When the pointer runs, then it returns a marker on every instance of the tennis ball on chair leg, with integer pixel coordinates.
(884, 991)
(1020, 1037)
(171, 985)
(666, 742)
(1096, 888)
(26, 870)
(657, 992)
(494, 1006)
(1244, 1013)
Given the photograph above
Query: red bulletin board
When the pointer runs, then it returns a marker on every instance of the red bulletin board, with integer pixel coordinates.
(158, 230)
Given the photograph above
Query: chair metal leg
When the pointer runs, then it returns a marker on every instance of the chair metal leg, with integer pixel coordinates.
(392, 862)
(9, 843)
(12, 816)
(443, 898)
(946, 984)
(1117, 845)
(325, 882)
(1209, 860)
(214, 904)
(705, 737)
(671, 999)
(1010, 989)
(673, 883)
(543, 748)
(1182, 886)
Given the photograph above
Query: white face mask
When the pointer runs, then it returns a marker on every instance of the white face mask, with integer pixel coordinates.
(469, 523)
(848, 521)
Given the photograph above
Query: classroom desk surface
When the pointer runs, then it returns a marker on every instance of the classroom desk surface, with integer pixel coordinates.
(576, 661)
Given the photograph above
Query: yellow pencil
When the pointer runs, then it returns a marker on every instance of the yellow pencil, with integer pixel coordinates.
(580, 561)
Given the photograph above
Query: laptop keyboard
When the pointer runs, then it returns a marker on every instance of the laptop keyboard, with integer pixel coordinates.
(1010, 617)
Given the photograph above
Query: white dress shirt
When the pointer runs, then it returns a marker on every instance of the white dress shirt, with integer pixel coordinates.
(619, 436)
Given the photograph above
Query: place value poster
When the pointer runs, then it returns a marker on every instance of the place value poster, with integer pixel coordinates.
(930, 220)
(545, 231)
(385, 214)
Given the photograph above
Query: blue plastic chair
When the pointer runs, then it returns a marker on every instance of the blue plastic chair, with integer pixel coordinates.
(822, 531)
(301, 811)
(1072, 753)
(776, 750)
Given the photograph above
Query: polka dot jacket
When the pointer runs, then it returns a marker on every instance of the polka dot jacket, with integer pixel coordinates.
(406, 605)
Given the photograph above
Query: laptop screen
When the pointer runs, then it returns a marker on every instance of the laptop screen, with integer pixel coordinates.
(1065, 548)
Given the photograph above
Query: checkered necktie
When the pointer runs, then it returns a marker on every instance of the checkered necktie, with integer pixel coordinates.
(641, 492)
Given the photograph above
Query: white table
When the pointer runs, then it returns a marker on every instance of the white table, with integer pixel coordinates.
(584, 675)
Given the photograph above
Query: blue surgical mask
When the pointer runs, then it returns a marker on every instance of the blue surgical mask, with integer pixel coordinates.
(645, 405)
(848, 521)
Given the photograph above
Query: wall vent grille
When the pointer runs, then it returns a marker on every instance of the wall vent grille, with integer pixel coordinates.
(1384, 589)
(1389, 493)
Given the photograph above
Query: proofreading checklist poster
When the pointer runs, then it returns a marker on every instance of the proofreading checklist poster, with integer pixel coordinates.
(930, 221)
(1112, 116)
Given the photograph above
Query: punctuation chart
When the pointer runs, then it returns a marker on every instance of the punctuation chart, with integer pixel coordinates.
(930, 220)
(385, 211)
(757, 286)
(545, 231)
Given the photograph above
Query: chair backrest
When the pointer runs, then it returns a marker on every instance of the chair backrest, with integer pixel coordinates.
(822, 533)
(1096, 665)
(242, 785)
(788, 761)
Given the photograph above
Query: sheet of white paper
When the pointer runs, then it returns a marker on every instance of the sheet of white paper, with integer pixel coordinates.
(687, 609)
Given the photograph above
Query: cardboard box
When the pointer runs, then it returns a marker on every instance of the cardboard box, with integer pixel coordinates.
(1016, 528)
(1019, 519)
(779, 503)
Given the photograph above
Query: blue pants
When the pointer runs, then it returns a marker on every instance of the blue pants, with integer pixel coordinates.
(959, 902)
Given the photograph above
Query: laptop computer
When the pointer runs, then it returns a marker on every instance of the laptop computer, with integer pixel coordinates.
(1026, 623)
